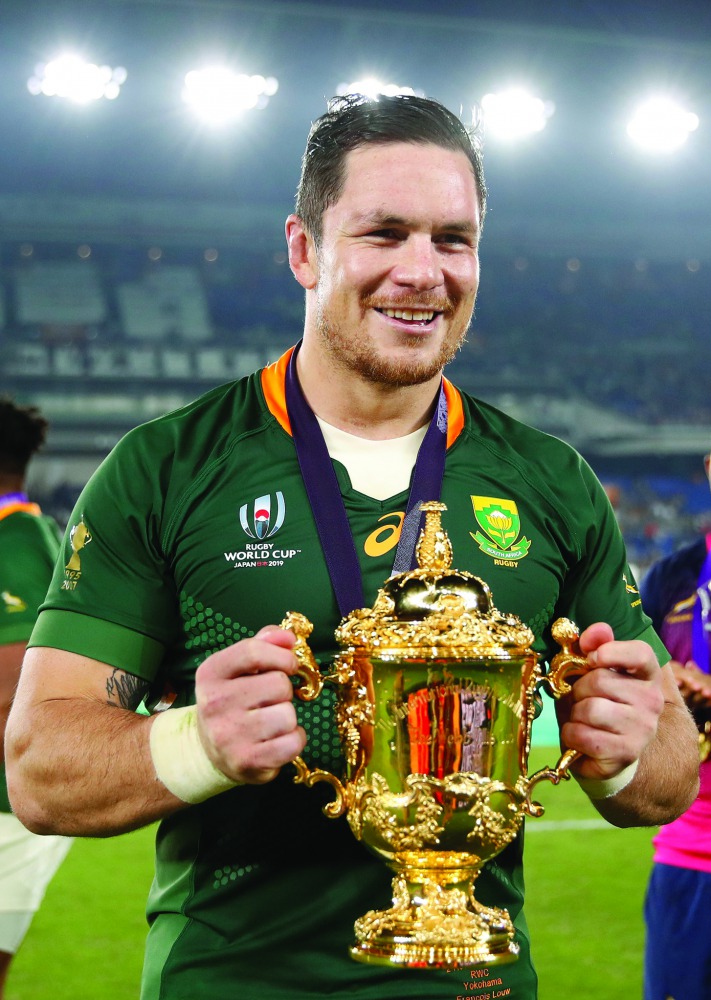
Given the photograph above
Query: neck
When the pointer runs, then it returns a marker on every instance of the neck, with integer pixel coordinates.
(359, 406)
(11, 483)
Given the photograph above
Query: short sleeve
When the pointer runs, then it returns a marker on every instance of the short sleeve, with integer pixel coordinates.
(111, 596)
(601, 587)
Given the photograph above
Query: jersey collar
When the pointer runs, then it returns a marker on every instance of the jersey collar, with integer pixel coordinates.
(273, 385)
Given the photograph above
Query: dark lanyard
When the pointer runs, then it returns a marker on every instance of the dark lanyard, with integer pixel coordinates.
(327, 503)
(701, 617)
(8, 498)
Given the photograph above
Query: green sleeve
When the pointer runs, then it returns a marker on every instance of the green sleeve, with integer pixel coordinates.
(28, 549)
(112, 597)
(601, 586)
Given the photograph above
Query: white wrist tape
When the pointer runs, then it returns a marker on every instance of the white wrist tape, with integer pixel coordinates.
(180, 759)
(605, 788)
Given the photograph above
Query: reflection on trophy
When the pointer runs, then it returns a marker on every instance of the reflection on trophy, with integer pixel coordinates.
(435, 708)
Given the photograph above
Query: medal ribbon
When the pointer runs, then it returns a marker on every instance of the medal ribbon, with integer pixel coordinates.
(13, 503)
(701, 620)
(326, 501)
(8, 498)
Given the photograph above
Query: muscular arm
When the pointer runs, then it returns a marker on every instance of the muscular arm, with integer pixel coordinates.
(631, 710)
(79, 760)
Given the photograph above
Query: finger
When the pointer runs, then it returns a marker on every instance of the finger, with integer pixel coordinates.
(256, 691)
(266, 759)
(249, 656)
(271, 722)
(594, 636)
(633, 657)
(605, 753)
(278, 636)
(619, 717)
(618, 687)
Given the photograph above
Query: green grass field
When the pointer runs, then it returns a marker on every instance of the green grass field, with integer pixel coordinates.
(585, 884)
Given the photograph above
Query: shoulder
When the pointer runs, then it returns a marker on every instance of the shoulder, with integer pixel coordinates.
(207, 422)
(37, 528)
(678, 570)
(502, 430)
(544, 461)
(190, 438)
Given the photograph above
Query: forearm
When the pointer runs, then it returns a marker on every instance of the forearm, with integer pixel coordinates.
(79, 768)
(667, 778)
(10, 663)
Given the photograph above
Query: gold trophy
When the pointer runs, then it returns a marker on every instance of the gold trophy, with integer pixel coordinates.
(434, 710)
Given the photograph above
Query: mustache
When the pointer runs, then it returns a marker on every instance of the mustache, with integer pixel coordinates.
(420, 302)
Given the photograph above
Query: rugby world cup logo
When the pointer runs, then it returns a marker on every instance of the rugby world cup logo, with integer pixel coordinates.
(264, 522)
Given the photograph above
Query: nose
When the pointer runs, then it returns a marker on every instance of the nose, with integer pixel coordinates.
(418, 265)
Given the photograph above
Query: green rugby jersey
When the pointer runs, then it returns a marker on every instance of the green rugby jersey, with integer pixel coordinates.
(197, 531)
(29, 543)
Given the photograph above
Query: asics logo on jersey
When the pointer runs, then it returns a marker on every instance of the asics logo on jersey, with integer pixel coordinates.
(386, 536)
(263, 523)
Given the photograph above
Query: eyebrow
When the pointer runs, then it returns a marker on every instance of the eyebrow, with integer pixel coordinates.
(377, 219)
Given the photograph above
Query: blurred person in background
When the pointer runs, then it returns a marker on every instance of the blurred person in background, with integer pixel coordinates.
(29, 544)
(676, 594)
(288, 490)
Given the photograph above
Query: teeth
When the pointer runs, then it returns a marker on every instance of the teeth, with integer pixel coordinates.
(410, 314)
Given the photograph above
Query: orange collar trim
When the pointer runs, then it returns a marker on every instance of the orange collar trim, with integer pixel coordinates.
(14, 508)
(274, 383)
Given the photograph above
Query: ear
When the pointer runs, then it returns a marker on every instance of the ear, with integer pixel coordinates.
(302, 253)
(707, 466)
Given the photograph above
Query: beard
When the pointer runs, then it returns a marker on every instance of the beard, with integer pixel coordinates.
(364, 358)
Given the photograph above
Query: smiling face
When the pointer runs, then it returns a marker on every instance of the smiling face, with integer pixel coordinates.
(392, 284)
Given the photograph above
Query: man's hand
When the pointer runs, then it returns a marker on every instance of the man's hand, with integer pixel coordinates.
(612, 714)
(246, 716)
(694, 684)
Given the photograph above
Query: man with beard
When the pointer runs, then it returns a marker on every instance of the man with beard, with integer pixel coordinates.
(297, 488)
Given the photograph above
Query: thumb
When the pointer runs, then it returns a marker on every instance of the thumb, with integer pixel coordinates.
(595, 636)
(276, 636)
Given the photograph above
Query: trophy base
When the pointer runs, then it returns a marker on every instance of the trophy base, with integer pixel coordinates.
(434, 926)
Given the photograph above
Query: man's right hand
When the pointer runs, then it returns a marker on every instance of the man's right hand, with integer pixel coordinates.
(246, 715)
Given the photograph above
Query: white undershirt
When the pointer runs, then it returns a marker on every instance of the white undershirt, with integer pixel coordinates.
(379, 469)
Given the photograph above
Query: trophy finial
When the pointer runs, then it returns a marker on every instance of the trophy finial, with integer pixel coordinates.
(434, 549)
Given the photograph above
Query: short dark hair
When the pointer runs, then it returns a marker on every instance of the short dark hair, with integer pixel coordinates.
(354, 121)
(23, 431)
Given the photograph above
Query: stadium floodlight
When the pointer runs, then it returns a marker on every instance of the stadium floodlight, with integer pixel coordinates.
(660, 125)
(371, 87)
(73, 78)
(218, 95)
(514, 113)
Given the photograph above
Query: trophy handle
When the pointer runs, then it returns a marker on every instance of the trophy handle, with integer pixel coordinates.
(566, 663)
(311, 688)
(308, 669)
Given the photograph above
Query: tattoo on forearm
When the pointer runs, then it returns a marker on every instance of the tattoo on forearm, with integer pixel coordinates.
(125, 690)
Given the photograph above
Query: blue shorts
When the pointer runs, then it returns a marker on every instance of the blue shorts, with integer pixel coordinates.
(677, 961)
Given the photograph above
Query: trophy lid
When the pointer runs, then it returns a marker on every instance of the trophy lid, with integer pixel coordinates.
(436, 605)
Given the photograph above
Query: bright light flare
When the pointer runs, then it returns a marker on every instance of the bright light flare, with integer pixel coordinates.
(72, 78)
(373, 88)
(660, 125)
(514, 113)
(218, 95)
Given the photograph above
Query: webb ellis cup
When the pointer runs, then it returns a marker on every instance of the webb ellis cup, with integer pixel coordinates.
(435, 703)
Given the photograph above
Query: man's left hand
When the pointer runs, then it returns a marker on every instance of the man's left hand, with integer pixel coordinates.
(612, 714)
